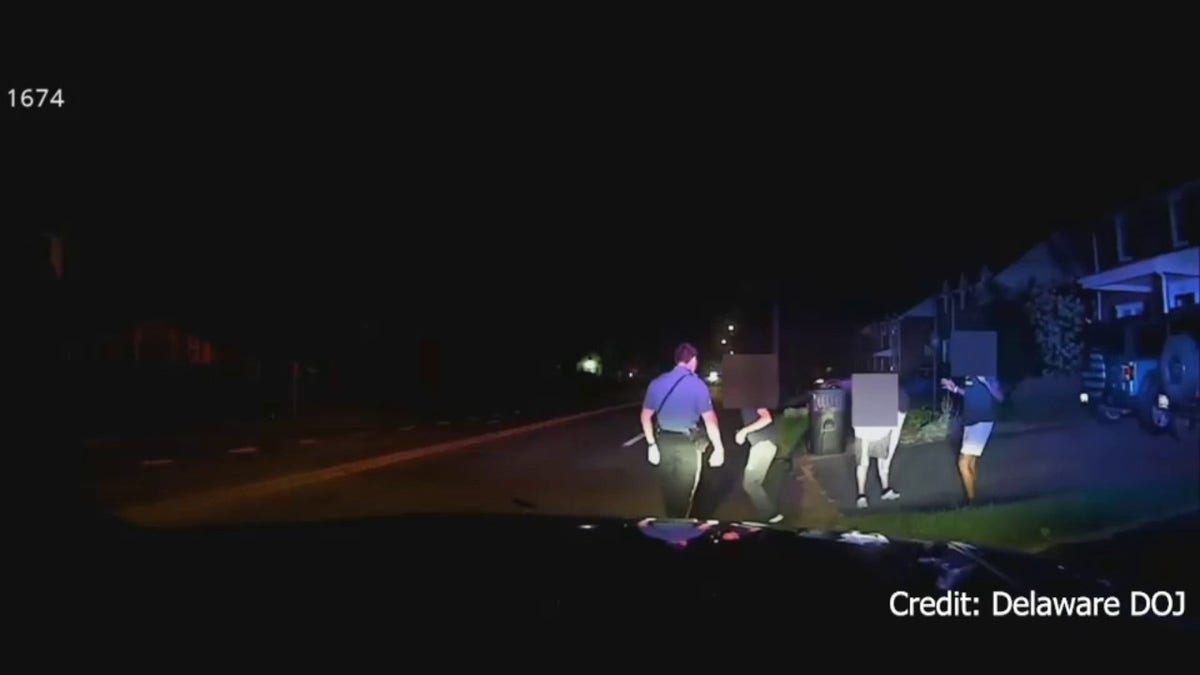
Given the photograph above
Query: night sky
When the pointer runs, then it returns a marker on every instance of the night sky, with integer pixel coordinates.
(550, 208)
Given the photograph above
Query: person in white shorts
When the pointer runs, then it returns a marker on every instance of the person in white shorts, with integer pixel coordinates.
(866, 439)
(980, 395)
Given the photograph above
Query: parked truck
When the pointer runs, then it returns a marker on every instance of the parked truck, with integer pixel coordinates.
(1148, 368)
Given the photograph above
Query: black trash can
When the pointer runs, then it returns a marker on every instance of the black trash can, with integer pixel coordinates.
(827, 421)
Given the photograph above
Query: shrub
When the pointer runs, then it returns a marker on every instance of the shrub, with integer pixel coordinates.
(919, 417)
(1057, 316)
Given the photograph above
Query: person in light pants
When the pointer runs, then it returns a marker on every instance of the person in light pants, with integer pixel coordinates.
(865, 437)
(765, 468)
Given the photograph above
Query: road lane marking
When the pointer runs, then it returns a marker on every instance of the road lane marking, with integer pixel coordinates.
(308, 441)
(198, 503)
(443, 423)
(633, 440)
(408, 428)
(157, 462)
(249, 449)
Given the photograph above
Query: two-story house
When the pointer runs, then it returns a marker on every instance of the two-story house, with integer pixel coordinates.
(900, 344)
(1146, 258)
(993, 301)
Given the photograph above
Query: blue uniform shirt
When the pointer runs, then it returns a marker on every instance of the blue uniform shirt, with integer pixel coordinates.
(687, 403)
(978, 403)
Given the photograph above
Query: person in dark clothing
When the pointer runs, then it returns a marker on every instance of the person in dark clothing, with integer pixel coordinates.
(979, 396)
(764, 462)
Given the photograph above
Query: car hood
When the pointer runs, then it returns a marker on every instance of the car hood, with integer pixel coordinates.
(574, 566)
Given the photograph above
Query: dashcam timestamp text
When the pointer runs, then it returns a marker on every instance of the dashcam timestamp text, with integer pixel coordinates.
(38, 97)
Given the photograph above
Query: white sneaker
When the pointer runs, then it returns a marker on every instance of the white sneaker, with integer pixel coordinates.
(862, 502)
(891, 494)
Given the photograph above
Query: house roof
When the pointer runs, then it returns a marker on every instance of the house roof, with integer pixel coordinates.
(924, 308)
(1138, 277)
(1051, 262)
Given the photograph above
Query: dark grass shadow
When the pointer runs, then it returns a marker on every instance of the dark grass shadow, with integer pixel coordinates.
(1156, 556)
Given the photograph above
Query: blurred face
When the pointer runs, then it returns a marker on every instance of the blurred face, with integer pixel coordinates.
(691, 364)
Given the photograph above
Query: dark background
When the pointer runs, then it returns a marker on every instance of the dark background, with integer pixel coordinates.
(517, 203)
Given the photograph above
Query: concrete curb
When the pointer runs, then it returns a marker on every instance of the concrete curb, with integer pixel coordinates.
(199, 501)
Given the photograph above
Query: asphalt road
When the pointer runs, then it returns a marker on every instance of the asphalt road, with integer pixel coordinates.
(1015, 466)
(579, 468)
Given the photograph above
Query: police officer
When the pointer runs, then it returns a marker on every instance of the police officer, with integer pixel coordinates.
(680, 400)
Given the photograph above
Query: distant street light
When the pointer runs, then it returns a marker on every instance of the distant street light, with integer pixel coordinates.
(724, 341)
(731, 352)
(730, 328)
(589, 364)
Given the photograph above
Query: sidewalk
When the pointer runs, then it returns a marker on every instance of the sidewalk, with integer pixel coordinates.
(1021, 461)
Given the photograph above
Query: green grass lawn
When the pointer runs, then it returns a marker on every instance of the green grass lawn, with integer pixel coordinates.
(1038, 523)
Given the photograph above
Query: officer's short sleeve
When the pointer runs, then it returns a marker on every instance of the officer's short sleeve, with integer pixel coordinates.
(651, 400)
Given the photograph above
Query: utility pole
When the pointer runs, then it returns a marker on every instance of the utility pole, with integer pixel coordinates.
(936, 343)
(295, 388)
(775, 327)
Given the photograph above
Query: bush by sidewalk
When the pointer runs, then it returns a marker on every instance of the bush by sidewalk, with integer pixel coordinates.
(921, 425)
(924, 425)
(793, 429)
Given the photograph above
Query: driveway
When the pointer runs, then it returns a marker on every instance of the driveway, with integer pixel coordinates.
(1018, 465)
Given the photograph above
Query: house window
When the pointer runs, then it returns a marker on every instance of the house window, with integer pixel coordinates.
(1121, 250)
(1185, 299)
(1130, 309)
